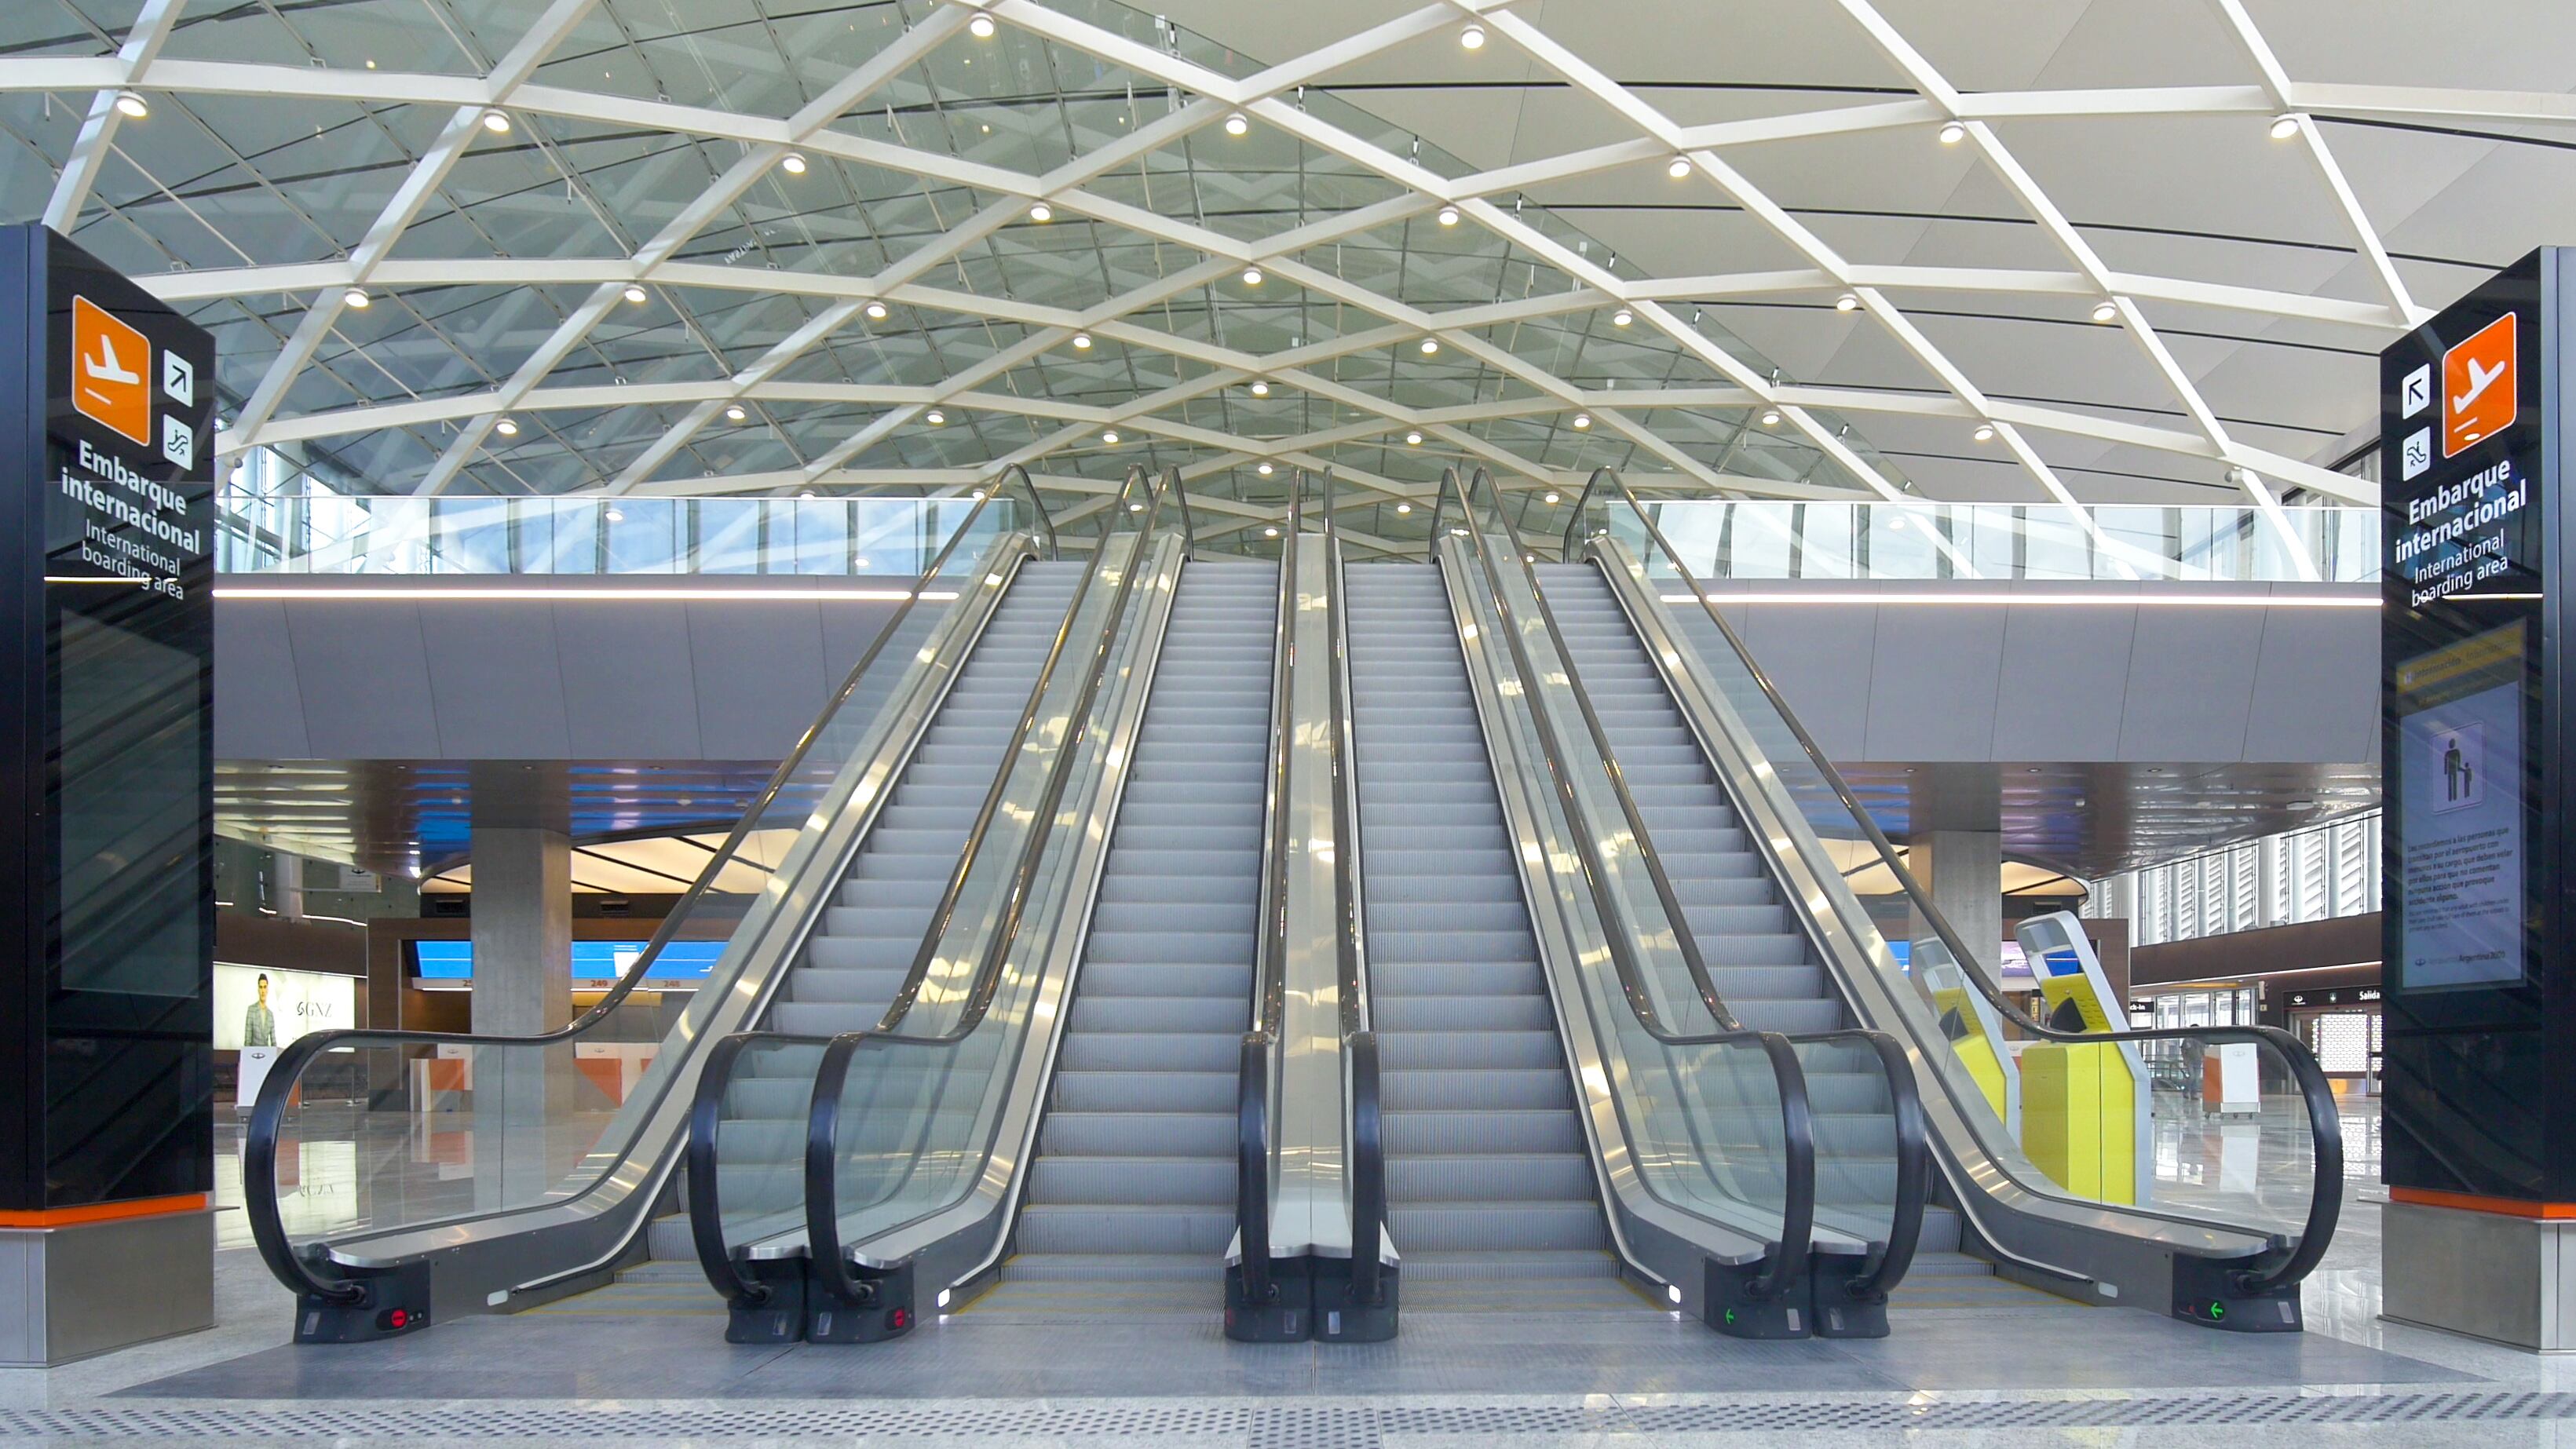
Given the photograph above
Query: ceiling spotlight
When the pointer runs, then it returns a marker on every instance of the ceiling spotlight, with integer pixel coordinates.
(2106, 310)
(1770, 417)
(506, 428)
(1448, 216)
(1952, 133)
(1263, 470)
(634, 293)
(793, 163)
(1237, 124)
(1109, 435)
(1985, 433)
(1677, 168)
(357, 297)
(1430, 345)
(1252, 276)
(1271, 532)
(1472, 37)
(934, 417)
(1551, 495)
(1581, 420)
(1622, 317)
(1404, 508)
(616, 514)
(1847, 302)
(735, 413)
(1413, 440)
(1041, 212)
(1135, 507)
(132, 106)
(807, 493)
(496, 122)
(981, 27)
(1260, 388)
(2283, 127)
(876, 311)
(1082, 342)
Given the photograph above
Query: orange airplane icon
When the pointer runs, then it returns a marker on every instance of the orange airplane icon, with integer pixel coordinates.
(2480, 395)
(109, 363)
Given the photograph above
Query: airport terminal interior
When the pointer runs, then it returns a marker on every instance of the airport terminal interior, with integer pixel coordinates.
(1529, 722)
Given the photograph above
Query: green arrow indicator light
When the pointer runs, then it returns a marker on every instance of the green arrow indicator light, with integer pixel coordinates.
(1730, 1315)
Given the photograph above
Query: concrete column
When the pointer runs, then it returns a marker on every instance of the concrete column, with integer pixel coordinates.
(522, 929)
(526, 1099)
(1963, 869)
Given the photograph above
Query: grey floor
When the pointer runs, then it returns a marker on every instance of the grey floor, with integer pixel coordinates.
(650, 1369)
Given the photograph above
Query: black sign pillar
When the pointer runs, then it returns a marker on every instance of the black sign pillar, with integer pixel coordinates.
(106, 801)
(2480, 1125)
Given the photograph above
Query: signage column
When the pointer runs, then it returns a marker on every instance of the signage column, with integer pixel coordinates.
(106, 791)
(2480, 1008)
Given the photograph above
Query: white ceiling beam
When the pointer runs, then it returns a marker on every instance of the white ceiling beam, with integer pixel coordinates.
(143, 42)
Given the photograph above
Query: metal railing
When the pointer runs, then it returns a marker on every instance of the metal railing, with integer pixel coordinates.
(1258, 1065)
(1367, 1145)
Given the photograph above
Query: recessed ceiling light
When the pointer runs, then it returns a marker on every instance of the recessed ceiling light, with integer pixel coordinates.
(876, 311)
(1272, 532)
(1135, 507)
(1252, 276)
(1551, 495)
(357, 297)
(1430, 345)
(1472, 37)
(1581, 420)
(1237, 124)
(1082, 342)
(506, 428)
(1413, 440)
(981, 27)
(1260, 388)
(1622, 317)
(934, 417)
(1985, 433)
(1952, 133)
(634, 293)
(793, 163)
(1404, 508)
(616, 514)
(496, 122)
(2106, 310)
(1847, 302)
(735, 413)
(131, 105)
(1109, 435)
(1678, 167)
(2284, 127)
(1770, 417)
(1041, 212)
(1448, 216)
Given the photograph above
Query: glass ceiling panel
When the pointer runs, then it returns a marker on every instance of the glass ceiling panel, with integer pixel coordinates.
(56, 27)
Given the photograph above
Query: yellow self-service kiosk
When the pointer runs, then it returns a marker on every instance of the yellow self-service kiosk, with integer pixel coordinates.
(1973, 1028)
(2084, 1105)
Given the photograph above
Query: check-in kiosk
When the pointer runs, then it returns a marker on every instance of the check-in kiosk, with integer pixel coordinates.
(1974, 1028)
(2084, 1105)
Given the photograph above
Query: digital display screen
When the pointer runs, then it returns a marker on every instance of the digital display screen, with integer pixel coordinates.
(593, 962)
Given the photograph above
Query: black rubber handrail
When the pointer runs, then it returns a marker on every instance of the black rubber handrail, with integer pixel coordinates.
(2325, 1204)
(1912, 1149)
(1784, 1259)
(300, 1271)
(1253, 1117)
(705, 1198)
(1367, 1155)
(824, 1250)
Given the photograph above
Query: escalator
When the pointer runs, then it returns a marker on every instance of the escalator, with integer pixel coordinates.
(2048, 1140)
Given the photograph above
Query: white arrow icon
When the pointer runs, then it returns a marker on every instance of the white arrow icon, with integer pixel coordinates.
(2480, 379)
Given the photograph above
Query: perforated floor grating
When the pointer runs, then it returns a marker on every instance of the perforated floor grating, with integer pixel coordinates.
(1269, 1426)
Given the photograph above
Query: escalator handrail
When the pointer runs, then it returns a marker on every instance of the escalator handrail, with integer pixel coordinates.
(824, 1249)
(1367, 1149)
(1785, 1258)
(268, 1112)
(2325, 1203)
(1254, 1066)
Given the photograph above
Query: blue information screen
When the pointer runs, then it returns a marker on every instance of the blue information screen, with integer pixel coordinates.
(592, 961)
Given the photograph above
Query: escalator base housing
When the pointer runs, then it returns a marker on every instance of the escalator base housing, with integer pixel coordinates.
(1839, 1312)
(393, 1301)
(1284, 1317)
(1339, 1314)
(886, 1313)
(777, 1318)
(1730, 1307)
(2205, 1292)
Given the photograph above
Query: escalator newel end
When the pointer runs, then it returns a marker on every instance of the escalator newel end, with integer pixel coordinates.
(389, 1303)
(1839, 1311)
(1341, 1316)
(2211, 1293)
(778, 1316)
(882, 1309)
(1285, 1315)
(1732, 1307)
